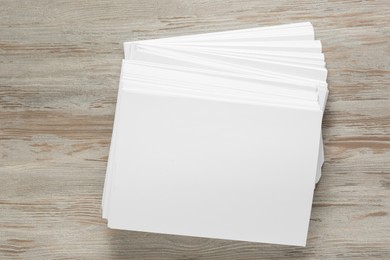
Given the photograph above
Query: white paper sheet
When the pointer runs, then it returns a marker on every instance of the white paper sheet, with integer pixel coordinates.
(212, 169)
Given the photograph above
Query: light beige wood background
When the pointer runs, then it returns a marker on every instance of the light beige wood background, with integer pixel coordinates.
(59, 71)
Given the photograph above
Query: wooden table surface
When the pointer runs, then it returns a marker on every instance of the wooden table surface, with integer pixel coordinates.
(59, 71)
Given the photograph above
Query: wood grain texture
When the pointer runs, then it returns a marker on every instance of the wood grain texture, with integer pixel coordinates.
(59, 72)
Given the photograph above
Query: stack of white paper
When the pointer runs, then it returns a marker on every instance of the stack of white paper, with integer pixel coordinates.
(219, 135)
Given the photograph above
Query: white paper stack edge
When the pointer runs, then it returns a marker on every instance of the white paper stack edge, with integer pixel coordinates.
(219, 135)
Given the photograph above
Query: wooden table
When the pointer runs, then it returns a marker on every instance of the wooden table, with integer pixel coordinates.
(59, 71)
